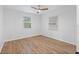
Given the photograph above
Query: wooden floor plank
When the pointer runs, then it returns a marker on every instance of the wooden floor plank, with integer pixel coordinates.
(38, 45)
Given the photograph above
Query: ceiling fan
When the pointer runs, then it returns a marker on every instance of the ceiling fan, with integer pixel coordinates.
(40, 8)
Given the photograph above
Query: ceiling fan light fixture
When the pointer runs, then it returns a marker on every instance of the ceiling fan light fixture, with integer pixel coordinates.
(38, 11)
(40, 8)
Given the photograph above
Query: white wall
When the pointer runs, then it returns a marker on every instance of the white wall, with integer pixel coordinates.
(13, 22)
(1, 27)
(66, 24)
(78, 28)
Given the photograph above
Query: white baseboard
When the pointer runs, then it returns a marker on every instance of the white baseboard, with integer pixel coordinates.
(23, 37)
(61, 40)
(0, 50)
(37, 35)
(1, 47)
(17, 39)
(77, 47)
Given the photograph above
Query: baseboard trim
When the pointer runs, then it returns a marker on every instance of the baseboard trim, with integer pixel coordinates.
(1, 47)
(38, 35)
(0, 50)
(18, 38)
(76, 52)
(60, 40)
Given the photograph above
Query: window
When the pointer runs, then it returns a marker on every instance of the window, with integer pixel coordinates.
(53, 23)
(27, 22)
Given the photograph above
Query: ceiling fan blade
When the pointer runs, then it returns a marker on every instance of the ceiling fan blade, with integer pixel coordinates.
(35, 8)
(44, 9)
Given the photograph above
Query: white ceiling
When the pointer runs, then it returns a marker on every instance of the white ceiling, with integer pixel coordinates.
(27, 8)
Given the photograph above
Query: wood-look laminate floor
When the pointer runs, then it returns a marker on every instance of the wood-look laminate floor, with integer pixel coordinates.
(37, 45)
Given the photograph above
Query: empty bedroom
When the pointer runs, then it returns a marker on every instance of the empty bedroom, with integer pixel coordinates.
(38, 29)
